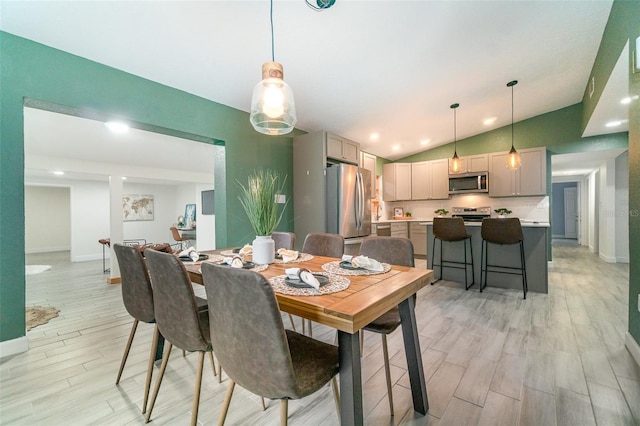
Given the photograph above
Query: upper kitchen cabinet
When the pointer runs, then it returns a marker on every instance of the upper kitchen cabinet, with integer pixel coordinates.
(529, 179)
(430, 180)
(474, 163)
(342, 150)
(368, 162)
(396, 181)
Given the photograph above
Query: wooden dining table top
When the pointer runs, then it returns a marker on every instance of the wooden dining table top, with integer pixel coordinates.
(366, 298)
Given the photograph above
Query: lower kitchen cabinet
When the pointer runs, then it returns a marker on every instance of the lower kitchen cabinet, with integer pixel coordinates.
(400, 229)
(418, 236)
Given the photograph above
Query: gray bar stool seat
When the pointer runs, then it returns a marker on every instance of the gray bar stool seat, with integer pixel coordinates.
(505, 231)
(451, 230)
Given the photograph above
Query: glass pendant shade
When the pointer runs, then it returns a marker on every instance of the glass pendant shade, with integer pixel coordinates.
(513, 158)
(454, 163)
(273, 109)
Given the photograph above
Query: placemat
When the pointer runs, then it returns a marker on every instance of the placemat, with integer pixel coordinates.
(257, 268)
(334, 268)
(303, 257)
(336, 284)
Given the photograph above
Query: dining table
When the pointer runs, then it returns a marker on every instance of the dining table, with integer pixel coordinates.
(365, 298)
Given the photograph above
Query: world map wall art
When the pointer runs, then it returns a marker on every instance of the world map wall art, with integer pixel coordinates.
(137, 207)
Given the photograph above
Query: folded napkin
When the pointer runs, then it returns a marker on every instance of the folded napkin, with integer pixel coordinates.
(287, 255)
(246, 249)
(304, 275)
(346, 258)
(190, 253)
(367, 263)
(234, 262)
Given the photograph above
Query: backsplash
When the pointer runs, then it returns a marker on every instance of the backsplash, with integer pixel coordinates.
(535, 209)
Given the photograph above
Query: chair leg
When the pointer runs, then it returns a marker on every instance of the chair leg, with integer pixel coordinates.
(466, 285)
(152, 358)
(264, 407)
(293, 325)
(310, 328)
(483, 263)
(336, 394)
(387, 371)
(163, 367)
(433, 255)
(213, 364)
(523, 270)
(284, 412)
(196, 391)
(473, 275)
(125, 355)
(219, 372)
(225, 404)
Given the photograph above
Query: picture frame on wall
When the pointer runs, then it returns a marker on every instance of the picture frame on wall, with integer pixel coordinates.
(190, 215)
(398, 212)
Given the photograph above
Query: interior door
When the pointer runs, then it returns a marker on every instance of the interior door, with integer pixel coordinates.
(571, 212)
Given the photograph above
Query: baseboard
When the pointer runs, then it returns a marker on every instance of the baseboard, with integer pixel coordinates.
(46, 249)
(592, 249)
(633, 347)
(88, 257)
(550, 264)
(15, 346)
(607, 259)
(622, 260)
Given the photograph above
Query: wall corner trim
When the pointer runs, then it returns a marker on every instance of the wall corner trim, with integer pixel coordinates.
(633, 347)
(14, 346)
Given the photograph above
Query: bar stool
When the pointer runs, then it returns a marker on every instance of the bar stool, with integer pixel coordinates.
(506, 231)
(452, 229)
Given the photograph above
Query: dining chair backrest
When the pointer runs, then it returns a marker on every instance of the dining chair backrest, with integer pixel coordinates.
(502, 230)
(392, 250)
(449, 228)
(175, 303)
(285, 240)
(323, 244)
(176, 234)
(249, 337)
(137, 293)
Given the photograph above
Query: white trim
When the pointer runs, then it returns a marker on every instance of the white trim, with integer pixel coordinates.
(633, 347)
(47, 249)
(607, 259)
(622, 260)
(15, 346)
(550, 264)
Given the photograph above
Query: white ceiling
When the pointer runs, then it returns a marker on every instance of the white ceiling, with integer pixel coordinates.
(391, 67)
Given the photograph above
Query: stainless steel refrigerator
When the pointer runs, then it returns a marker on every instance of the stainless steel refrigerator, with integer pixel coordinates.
(348, 201)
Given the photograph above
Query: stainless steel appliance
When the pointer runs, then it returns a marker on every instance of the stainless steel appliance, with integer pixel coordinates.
(464, 183)
(471, 214)
(348, 201)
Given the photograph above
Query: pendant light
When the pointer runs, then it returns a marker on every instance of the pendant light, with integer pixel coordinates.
(273, 110)
(455, 164)
(513, 158)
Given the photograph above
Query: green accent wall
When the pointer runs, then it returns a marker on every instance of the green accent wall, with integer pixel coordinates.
(32, 70)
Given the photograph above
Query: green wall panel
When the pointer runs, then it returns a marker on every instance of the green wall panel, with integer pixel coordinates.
(32, 70)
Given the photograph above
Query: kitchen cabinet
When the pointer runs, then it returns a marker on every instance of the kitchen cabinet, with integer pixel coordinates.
(418, 236)
(396, 181)
(368, 162)
(400, 229)
(473, 163)
(430, 180)
(343, 150)
(529, 179)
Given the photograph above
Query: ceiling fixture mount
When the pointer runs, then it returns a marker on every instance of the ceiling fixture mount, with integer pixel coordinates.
(455, 163)
(273, 110)
(513, 158)
(320, 5)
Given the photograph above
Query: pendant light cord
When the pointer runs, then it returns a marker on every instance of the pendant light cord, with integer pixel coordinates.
(512, 115)
(273, 55)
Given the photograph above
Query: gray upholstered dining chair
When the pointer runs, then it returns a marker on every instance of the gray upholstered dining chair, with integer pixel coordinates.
(285, 240)
(137, 296)
(253, 345)
(179, 318)
(395, 251)
(322, 244)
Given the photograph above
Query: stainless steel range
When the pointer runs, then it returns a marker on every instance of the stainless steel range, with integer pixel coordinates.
(471, 214)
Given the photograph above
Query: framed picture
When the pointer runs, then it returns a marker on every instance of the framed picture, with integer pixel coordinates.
(398, 212)
(189, 215)
(137, 207)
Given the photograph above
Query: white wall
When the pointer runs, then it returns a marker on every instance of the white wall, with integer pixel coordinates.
(47, 215)
(593, 180)
(89, 219)
(607, 210)
(622, 208)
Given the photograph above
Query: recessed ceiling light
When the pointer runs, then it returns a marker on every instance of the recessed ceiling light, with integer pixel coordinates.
(489, 121)
(628, 99)
(58, 172)
(425, 141)
(124, 178)
(117, 126)
(613, 123)
(395, 147)
(374, 136)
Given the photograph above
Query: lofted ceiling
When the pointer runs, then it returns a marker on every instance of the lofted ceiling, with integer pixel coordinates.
(360, 67)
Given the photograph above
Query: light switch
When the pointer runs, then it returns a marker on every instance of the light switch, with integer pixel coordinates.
(281, 198)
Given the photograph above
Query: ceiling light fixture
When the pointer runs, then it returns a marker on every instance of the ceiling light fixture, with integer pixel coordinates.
(489, 121)
(613, 123)
(513, 158)
(117, 126)
(374, 136)
(320, 5)
(455, 164)
(273, 110)
(425, 141)
(58, 172)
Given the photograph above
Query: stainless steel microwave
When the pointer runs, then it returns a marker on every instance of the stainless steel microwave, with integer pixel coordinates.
(464, 183)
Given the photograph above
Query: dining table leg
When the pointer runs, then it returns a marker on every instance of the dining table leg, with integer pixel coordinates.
(350, 379)
(414, 357)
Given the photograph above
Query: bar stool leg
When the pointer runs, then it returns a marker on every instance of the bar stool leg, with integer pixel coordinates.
(433, 256)
(466, 285)
(473, 277)
(523, 270)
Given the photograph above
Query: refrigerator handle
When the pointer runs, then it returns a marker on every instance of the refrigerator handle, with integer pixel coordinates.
(357, 201)
(360, 201)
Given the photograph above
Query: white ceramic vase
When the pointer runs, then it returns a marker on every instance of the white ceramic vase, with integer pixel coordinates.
(264, 250)
(501, 216)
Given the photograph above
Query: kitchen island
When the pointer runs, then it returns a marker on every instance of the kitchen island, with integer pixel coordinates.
(535, 250)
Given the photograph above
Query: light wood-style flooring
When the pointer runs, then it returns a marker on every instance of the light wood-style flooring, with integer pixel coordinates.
(489, 358)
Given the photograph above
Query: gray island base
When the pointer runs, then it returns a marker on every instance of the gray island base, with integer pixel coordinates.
(535, 250)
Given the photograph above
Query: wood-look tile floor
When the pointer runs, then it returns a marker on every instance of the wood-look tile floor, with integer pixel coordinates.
(489, 358)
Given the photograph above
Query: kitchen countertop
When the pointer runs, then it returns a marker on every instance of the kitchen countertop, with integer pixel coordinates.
(526, 223)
